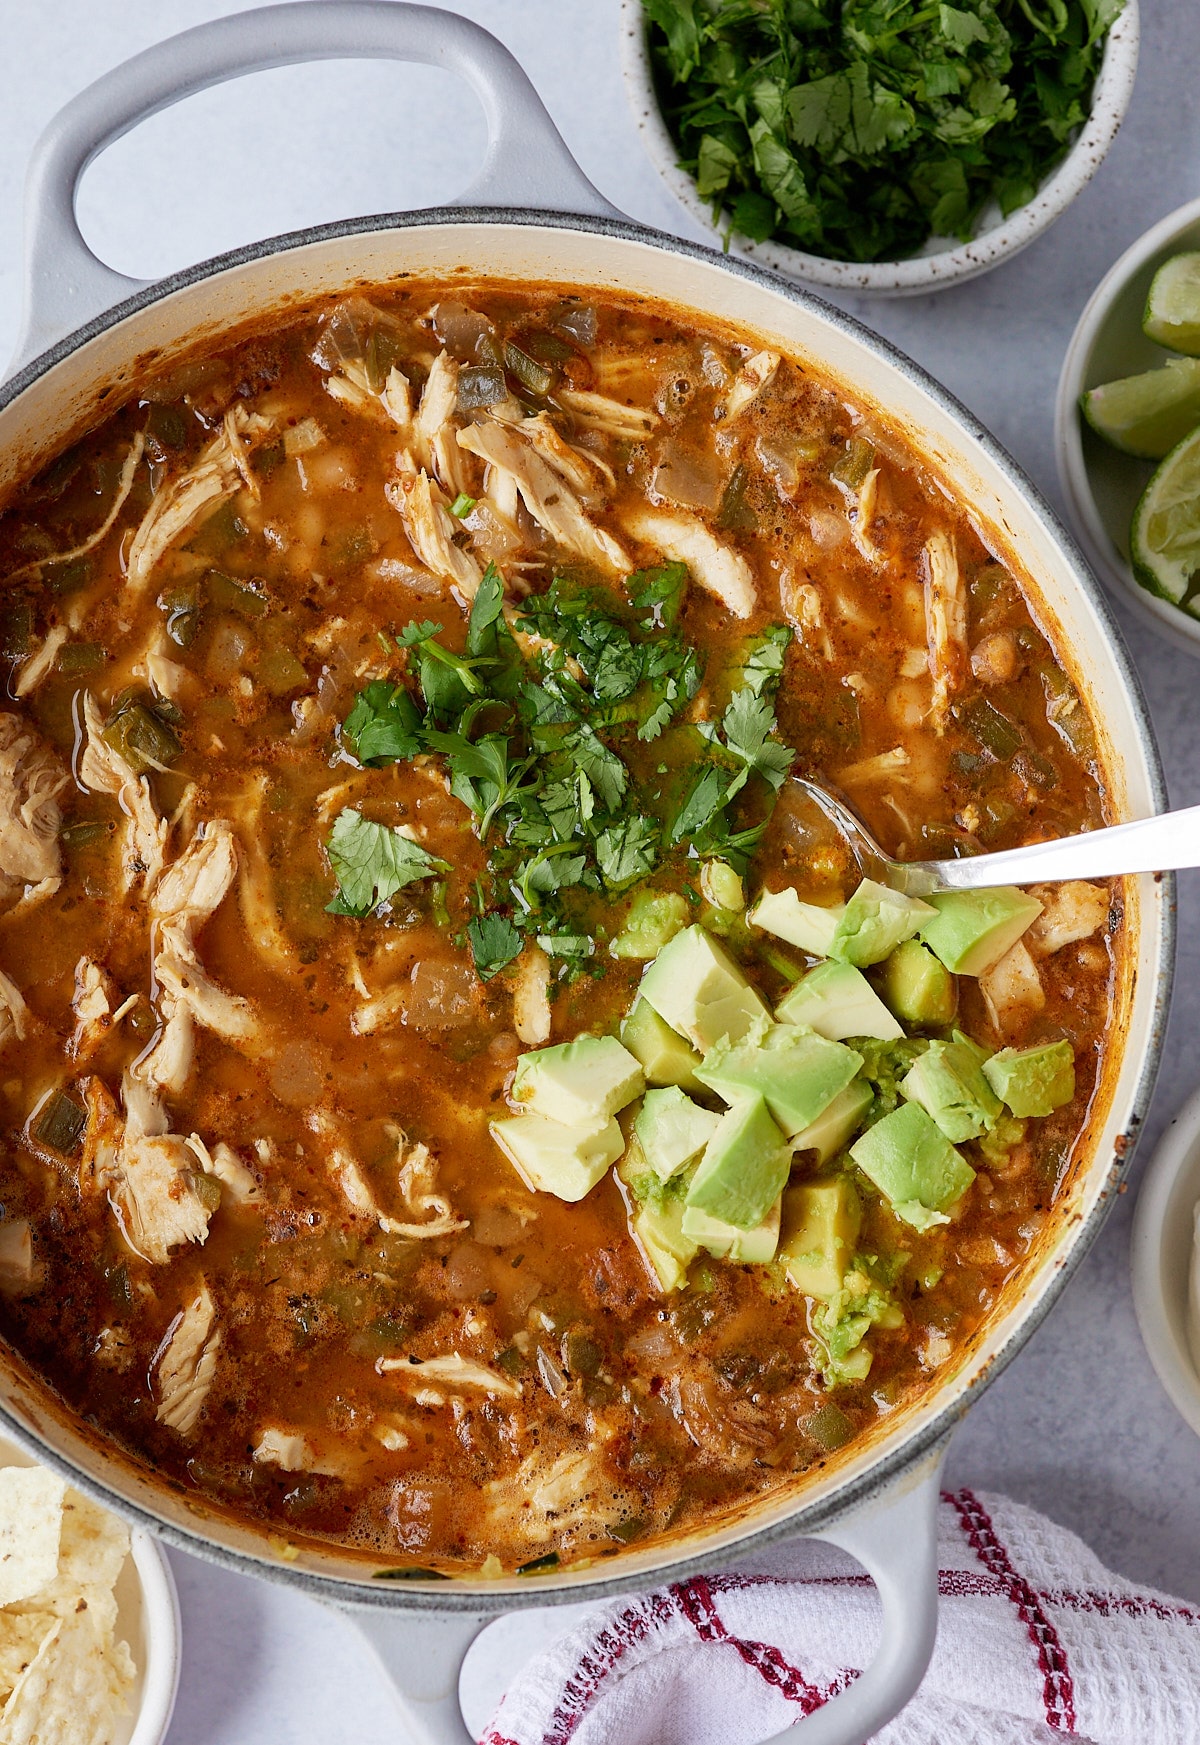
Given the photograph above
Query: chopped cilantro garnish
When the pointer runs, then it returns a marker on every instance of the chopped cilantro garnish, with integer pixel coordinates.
(545, 749)
(856, 128)
(372, 862)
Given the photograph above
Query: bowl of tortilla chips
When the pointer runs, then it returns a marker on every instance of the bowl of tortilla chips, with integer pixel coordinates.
(89, 1617)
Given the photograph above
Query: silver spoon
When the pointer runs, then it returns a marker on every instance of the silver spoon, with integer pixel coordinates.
(1165, 843)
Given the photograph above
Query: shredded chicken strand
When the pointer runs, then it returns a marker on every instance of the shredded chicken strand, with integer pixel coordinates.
(531, 997)
(151, 1183)
(221, 471)
(454, 1371)
(544, 492)
(757, 373)
(600, 412)
(31, 779)
(945, 623)
(129, 469)
(186, 1363)
(685, 539)
(430, 527)
(14, 1013)
(103, 769)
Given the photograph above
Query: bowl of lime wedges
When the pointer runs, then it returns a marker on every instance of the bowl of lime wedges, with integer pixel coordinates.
(1127, 427)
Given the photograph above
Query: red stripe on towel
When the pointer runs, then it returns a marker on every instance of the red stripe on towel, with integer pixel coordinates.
(608, 1647)
(698, 1605)
(1058, 1690)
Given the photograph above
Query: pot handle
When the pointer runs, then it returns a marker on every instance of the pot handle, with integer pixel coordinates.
(527, 165)
(894, 1536)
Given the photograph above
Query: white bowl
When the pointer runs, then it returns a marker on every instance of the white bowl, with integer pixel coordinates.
(1161, 1258)
(148, 1619)
(1101, 485)
(942, 261)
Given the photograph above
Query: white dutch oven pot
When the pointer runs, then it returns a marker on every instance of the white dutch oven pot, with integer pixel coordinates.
(89, 334)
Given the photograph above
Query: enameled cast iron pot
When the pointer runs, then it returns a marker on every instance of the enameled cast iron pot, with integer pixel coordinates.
(532, 216)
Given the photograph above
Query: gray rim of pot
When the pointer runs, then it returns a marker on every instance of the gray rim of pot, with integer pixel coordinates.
(805, 1517)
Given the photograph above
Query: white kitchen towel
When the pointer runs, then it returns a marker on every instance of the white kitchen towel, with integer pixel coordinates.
(1037, 1641)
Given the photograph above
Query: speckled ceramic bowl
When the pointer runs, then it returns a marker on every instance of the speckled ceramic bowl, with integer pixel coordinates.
(1101, 486)
(943, 261)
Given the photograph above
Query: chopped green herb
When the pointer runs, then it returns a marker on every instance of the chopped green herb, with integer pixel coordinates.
(462, 505)
(494, 942)
(372, 862)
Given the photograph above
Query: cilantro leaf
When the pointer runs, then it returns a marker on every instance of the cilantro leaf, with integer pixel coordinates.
(372, 862)
(494, 942)
(747, 725)
(627, 851)
(705, 798)
(383, 725)
(661, 592)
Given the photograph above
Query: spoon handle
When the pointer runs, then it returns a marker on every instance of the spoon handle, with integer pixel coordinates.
(1165, 843)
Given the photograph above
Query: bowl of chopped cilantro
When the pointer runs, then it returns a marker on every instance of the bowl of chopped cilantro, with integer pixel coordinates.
(894, 146)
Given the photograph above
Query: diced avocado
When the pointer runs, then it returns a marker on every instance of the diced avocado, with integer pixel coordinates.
(697, 987)
(578, 1082)
(821, 1222)
(917, 986)
(948, 1082)
(727, 1242)
(973, 929)
(806, 925)
(836, 1126)
(658, 1231)
(665, 1057)
(874, 922)
(842, 1321)
(798, 1072)
(654, 918)
(837, 1000)
(671, 1130)
(744, 1167)
(1033, 1081)
(557, 1159)
(913, 1165)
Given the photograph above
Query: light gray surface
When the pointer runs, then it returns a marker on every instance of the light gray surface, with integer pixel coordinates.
(1078, 1427)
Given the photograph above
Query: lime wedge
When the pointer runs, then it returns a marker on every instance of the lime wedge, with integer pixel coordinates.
(1165, 536)
(1147, 414)
(1172, 315)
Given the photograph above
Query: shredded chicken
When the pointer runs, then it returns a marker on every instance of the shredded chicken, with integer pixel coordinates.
(39, 665)
(166, 676)
(31, 779)
(863, 516)
(452, 1372)
(219, 473)
(808, 615)
(186, 1363)
(226, 1167)
(945, 624)
(1012, 990)
(544, 492)
(578, 466)
(194, 887)
(562, 1494)
(92, 1003)
(531, 997)
(599, 412)
(14, 1013)
(757, 373)
(129, 469)
(434, 429)
(1070, 912)
(151, 1180)
(430, 527)
(685, 539)
(874, 769)
(103, 769)
(430, 1211)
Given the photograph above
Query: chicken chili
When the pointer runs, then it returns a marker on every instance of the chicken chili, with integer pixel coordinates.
(459, 1100)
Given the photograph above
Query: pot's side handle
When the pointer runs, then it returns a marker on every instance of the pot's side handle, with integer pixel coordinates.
(422, 1654)
(527, 164)
(895, 1539)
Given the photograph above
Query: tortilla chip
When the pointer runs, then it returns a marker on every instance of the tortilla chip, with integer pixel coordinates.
(72, 1692)
(31, 1515)
(21, 1635)
(91, 1553)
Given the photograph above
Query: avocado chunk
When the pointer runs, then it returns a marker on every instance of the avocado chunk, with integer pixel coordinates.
(798, 1072)
(578, 1082)
(913, 1165)
(727, 1242)
(1033, 1081)
(654, 918)
(949, 1083)
(553, 1158)
(836, 1126)
(806, 925)
(697, 987)
(744, 1167)
(874, 922)
(658, 1232)
(836, 1000)
(671, 1130)
(917, 986)
(666, 1059)
(821, 1221)
(973, 929)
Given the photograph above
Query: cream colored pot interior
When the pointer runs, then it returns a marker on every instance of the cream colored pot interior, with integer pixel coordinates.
(59, 402)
